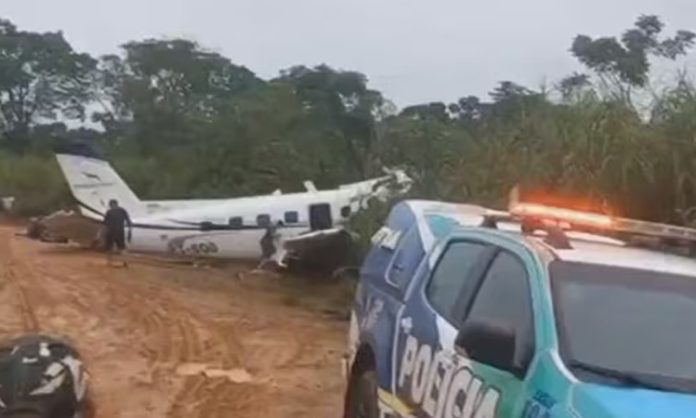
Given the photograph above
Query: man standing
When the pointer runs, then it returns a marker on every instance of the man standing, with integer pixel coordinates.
(271, 246)
(267, 245)
(115, 222)
(280, 252)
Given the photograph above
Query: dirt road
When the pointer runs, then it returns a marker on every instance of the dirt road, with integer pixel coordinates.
(174, 341)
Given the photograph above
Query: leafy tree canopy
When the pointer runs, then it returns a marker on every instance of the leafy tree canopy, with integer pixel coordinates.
(627, 59)
(41, 78)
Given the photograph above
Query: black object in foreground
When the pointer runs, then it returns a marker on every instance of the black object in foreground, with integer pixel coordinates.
(41, 377)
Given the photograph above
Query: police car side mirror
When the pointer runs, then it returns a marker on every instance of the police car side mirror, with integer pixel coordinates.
(490, 343)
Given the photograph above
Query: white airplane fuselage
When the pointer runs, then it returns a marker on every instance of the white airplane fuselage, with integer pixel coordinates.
(219, 228)
(234, 229)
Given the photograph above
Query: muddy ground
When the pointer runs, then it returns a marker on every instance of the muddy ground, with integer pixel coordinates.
(166, 340)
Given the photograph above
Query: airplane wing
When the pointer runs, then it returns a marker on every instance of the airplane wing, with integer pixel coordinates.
(325, 250)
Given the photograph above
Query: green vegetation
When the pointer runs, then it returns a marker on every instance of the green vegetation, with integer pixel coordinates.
(181, 121)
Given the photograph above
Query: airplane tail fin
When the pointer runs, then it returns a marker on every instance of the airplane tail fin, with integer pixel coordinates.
(93, 182)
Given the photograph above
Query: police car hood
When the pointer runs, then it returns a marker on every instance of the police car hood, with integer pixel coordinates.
(617, 402)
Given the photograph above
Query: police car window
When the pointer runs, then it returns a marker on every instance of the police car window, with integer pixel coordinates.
(450, 277)
(505, 296)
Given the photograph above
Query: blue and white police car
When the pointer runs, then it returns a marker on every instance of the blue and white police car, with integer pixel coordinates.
(464, 312)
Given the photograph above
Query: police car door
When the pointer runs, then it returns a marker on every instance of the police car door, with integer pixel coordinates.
(426, 377)
(496, 342)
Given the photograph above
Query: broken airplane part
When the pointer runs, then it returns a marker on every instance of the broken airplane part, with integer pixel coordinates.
(225, 228)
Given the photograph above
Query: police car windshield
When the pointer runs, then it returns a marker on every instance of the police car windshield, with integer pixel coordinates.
(619, 325)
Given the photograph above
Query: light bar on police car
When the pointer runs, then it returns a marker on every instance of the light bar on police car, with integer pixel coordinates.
(594, 220)
(542, 212)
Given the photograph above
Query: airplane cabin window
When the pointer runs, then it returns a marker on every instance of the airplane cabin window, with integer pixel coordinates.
(292, 217)
(236, 222)
(263, 220)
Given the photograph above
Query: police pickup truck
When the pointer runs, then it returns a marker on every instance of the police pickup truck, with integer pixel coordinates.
(463, 312)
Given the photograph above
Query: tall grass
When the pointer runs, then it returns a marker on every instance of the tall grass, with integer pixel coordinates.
(592, 148)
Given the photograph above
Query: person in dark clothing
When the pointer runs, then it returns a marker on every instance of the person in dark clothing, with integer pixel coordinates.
(270, 244)
(267, 245)
(115, 222)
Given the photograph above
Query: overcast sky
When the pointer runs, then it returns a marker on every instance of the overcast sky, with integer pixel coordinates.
(413, 51)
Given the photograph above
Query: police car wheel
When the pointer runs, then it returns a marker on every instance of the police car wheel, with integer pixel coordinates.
(363, 396)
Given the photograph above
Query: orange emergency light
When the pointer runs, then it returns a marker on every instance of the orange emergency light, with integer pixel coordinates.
(559, 219)
(541, 212)
(551, 214)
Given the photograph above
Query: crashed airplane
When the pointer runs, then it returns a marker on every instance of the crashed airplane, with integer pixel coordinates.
(311, 224)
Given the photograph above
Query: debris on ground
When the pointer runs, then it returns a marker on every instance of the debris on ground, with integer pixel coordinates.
(6, 203)
(65, 226)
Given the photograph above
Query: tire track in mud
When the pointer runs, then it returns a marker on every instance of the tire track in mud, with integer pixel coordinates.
(138, 327)
(169, 332)
(170, 338)
(12, 284)
(29, 320)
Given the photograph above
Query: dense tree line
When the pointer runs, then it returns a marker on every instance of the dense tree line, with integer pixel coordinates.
(179, 120)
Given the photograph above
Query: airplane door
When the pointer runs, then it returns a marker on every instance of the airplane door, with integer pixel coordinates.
(320, 217)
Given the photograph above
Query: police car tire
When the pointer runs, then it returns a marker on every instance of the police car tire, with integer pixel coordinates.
(363, 396)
